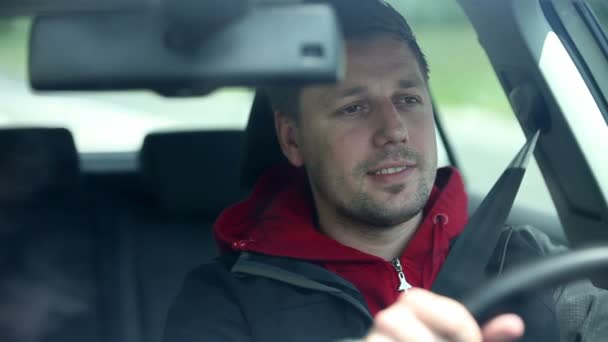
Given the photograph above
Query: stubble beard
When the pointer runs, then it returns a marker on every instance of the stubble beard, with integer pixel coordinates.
(367, 210)
(362, 209)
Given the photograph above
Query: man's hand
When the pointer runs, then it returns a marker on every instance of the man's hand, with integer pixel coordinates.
(420, 315)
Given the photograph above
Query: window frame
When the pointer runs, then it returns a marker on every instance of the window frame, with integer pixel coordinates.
(579, 30)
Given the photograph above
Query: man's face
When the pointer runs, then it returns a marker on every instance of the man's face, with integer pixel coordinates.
(368, 143)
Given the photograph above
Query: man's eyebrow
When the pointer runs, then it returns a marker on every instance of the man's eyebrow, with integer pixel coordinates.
(333, 95)
(405, 83)
(336, 94)
(351, 92)
(410, 83)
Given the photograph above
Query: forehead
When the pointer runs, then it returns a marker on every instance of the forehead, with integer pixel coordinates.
(382, 57)
(371, 62)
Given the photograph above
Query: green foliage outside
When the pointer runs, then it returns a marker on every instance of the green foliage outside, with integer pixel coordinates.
(430, 12)
(5, 26)
(13, 47)
(461, 74)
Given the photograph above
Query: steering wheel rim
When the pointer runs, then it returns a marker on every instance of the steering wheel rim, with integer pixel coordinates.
(549, 271)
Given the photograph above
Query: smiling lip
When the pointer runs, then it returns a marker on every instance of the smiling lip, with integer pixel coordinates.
(390, 168)
(392, 172)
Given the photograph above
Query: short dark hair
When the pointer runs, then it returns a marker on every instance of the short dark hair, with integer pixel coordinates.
(358, 19)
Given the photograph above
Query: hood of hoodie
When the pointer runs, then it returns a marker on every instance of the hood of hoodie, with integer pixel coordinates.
(278, 219)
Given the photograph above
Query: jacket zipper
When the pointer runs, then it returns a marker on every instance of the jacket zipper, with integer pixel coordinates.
(403, 284)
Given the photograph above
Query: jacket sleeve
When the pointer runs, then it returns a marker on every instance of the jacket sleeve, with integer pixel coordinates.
(582, 309)
(206, 309)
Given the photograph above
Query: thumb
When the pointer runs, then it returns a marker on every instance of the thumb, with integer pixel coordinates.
(503, 328)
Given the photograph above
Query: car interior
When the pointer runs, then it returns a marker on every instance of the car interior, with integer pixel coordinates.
(132, 234)
(117, 233)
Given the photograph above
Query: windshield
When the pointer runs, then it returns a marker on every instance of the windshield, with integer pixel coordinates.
(118, 122)
(106, 122)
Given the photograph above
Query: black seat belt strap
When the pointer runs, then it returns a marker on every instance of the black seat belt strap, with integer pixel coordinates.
(465, 265)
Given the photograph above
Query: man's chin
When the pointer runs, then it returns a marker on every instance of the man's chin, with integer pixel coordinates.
(396, 210)
(396, 198)
(388, 222)
(395, 190)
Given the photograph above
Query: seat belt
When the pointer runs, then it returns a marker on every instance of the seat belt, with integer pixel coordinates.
(465, 265)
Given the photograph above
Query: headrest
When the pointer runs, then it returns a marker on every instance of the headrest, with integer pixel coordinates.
(37, 163)
(193, 173)
(261, 148)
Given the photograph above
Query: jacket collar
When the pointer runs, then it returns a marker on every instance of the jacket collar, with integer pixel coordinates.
(300, 274)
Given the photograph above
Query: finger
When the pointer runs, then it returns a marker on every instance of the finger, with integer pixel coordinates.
(444, 316)
(376, 336)
(400, 324)
(508, 327)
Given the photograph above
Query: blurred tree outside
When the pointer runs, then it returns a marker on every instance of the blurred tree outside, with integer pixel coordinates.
(444, 12)
(461, 74)
(5, 26)
(13, 47)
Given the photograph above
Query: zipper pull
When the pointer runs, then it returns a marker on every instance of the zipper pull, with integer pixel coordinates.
(403, 284)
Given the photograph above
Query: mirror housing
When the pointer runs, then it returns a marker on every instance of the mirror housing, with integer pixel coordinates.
(148, 49)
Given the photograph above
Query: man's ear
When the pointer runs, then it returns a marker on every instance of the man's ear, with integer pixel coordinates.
(287, 134)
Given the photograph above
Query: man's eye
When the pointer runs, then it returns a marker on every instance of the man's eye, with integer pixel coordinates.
(353, 109)
(408, 100)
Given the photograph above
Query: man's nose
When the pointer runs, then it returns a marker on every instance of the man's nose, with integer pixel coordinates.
(391, 126)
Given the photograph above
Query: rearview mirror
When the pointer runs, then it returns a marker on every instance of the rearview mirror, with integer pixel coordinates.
(270, 44)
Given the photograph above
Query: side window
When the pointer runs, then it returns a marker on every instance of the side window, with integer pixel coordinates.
(480, 125)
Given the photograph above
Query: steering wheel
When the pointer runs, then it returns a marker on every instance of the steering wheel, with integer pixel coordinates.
(549, 271)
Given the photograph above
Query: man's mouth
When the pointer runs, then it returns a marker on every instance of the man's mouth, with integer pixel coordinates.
(391, 173)
(390, 170)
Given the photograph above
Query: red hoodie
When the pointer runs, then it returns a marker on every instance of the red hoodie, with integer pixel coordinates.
(278, 219)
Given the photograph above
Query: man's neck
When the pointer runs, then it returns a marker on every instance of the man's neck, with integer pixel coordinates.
(384, 242)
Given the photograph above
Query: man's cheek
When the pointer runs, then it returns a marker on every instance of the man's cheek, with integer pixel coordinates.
(423, 141)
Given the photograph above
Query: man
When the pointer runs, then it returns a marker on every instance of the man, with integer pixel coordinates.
(329, 247)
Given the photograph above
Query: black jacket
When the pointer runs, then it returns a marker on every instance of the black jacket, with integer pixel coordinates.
(254, 297)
